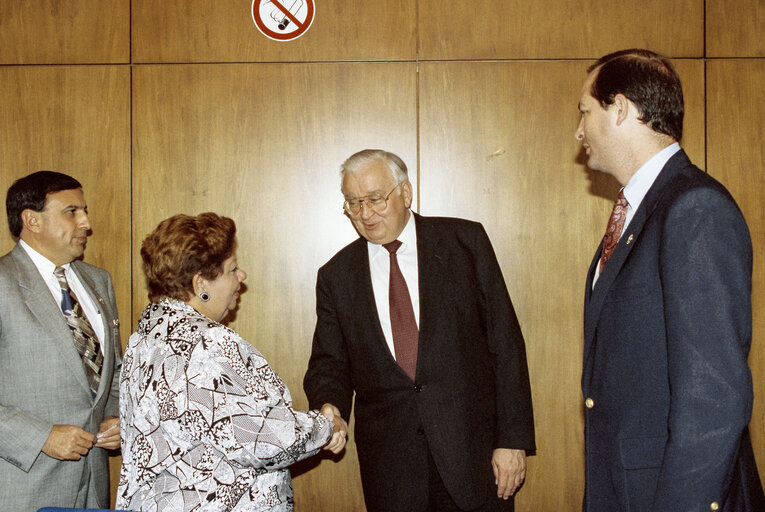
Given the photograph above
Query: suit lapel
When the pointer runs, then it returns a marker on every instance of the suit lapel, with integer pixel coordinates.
(595, 298)
(363, 298)
(431, 267)
(40, 302)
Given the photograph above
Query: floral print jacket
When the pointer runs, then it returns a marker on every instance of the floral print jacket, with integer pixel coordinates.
(207, 425)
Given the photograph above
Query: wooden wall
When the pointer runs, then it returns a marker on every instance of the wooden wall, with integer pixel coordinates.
(167, 106)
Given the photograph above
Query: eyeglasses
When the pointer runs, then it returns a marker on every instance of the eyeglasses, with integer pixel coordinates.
(375, 202)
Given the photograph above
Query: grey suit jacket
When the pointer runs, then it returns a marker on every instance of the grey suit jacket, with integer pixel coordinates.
(42, 383)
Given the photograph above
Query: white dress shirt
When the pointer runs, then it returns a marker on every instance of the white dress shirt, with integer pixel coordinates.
(639, 184)
(379, 266)
(46, 267)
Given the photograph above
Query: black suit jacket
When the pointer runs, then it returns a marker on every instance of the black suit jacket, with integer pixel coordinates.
(471, 393)
(668, 328)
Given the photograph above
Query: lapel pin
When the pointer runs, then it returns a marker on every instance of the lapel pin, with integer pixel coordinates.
(629, 238)
(116, 323)
(100, 300)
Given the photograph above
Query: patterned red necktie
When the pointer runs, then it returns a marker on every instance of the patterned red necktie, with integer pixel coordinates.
(402, 321)
(614, 229)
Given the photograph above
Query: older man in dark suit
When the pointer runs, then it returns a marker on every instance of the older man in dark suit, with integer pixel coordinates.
(415, 319)
(668, 324)
(59, 353)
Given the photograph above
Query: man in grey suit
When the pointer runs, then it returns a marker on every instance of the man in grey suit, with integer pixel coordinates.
(59, 353)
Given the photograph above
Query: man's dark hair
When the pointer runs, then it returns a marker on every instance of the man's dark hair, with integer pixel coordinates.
(31, 192)
(649, 81)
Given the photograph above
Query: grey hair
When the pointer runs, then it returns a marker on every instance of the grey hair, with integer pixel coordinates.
(367, 156)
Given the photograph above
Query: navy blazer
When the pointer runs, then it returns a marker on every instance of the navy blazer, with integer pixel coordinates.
(471, 393)
(668, 328)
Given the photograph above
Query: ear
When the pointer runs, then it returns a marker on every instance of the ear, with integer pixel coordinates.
(199, 283)
(406, 189)
(30, 220)
(622, 107)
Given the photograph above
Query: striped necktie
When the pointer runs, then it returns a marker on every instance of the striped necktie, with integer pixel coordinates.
(85, 339)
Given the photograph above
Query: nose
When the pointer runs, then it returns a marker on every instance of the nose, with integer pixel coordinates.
(84, 222)
(366, 210)
(579, 133)
(242, 275)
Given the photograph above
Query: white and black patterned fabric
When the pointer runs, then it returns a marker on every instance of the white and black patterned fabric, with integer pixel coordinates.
(207, 425)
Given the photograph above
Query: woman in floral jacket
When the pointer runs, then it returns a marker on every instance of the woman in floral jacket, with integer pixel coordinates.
(206, 423)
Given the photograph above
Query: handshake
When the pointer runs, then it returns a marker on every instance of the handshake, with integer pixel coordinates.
(340, 430)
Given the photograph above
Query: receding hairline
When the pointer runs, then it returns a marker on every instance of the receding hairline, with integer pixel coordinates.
(364, 158)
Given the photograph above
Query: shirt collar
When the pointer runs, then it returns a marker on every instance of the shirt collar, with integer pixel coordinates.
(44, 266)
(638, 185)
(408, 238)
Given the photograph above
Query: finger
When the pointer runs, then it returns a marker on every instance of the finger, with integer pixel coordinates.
(107, 430)
(110, 442)
(328, 410)
(517, 480)
(84, 437)
(502, 482)
(337, 443)
(339, 448)
(111, 445)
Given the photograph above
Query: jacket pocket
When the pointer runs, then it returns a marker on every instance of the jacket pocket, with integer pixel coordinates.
(633, 292)
(641, 459)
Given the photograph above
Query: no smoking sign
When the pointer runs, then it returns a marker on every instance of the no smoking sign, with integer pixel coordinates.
(283, 20)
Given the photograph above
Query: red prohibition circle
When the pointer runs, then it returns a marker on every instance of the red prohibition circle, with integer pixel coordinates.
(302, 26)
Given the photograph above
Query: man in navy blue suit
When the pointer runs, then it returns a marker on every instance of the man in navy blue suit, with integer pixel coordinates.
(668, 316)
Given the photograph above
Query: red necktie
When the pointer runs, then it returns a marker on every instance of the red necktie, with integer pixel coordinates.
(614, 228)
(402, 321)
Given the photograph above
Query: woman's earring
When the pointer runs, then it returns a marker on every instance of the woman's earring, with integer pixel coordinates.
(204, 296)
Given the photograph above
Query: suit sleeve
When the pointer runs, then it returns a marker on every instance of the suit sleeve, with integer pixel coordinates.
(706, 268)
(515, 418)
(328, 379)
(22, 436)
(112, 405)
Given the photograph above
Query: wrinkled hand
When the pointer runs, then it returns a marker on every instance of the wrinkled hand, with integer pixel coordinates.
(67, 442)
(509, 470)
(108, 436)
(339, 431)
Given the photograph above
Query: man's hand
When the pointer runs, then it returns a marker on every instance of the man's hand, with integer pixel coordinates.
(67, 442)
(340, 430)
(509, 470)
(108, 436)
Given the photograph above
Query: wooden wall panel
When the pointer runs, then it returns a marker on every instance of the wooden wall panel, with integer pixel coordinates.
(64, 31)
(735, 156)
(218, 138)
(223, 31)
(497, 145)
(519, 29)
(735, 28)
(262, 143)
(76, 120)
